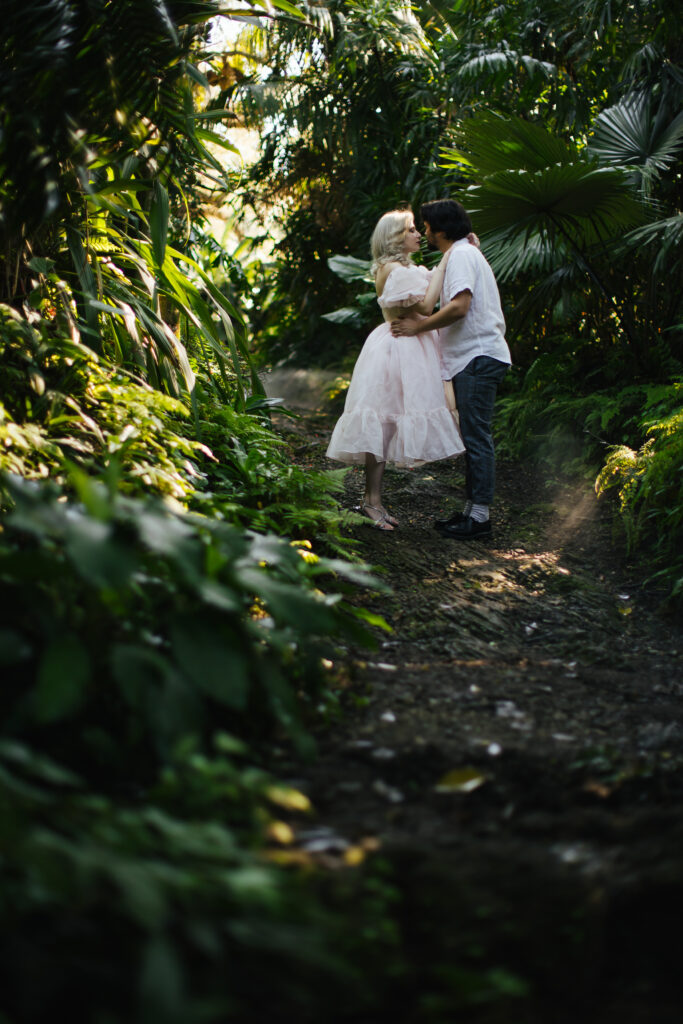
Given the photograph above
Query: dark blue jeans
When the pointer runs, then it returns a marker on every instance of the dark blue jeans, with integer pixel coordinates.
(475, 395)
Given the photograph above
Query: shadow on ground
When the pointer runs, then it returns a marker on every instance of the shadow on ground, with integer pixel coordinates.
(508, 765)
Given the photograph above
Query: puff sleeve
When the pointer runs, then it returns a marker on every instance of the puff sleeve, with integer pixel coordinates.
(404, 286)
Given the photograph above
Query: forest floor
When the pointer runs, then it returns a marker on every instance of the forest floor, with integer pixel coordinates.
(509, 758)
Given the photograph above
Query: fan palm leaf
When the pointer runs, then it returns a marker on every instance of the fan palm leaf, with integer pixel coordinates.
(630, 134)
(585, 203)
(491, 142)
(667, 236)
(532, 184)
(552, 208)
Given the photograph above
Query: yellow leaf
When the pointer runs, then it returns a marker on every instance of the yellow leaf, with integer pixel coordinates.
(289, 858)
(354, 856)
(280, 832)
(460, 780)
(290, 799)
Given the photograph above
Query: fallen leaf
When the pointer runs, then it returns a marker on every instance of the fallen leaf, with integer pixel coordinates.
(280, 832)
(290, 799)
(354, 856)
(598, 788)
(460, 780)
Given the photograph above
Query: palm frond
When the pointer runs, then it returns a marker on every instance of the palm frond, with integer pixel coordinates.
(630, 134)
(667, 235)
(513, 253)
(493, 143)
(495, 62)
(581, 200)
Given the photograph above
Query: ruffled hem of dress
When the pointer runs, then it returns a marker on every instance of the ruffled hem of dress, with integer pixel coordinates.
(410, 439)
(401, 299)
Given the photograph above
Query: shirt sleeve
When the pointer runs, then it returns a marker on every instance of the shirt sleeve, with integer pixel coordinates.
(404, 286)
(460, 272)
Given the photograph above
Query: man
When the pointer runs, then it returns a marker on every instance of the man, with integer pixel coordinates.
(475, 355)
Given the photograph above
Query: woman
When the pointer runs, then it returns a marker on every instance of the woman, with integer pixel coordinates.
(395, 407)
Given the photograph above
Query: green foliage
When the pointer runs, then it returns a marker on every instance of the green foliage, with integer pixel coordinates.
(63, 403)
(649, 486)
(131, 625)
(161, 630)
(93, 206)
(251, 479)
(331, 99)
(136, 912)
(641, 429)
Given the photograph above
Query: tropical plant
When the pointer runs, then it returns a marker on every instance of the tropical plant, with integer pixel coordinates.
(95, 174)
(650, 489)
(150, 622)
(331, 99)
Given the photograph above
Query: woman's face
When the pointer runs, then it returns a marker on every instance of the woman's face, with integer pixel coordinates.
(412, 238)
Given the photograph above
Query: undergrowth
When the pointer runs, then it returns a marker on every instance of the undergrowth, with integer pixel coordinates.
(628, 440)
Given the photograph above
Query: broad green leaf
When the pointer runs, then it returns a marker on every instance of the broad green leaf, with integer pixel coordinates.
(98, 556)
(41, 265)
(213, 115)
(87, 283)
(137, 670)
(63, 675)
(121, 185)
(158, 222)
(282, 5)
(216, 140)
(36, 765)
(346, 315)
(288, 604)
(198, 76)
(491, 143)
(212, 661)
(350, 268)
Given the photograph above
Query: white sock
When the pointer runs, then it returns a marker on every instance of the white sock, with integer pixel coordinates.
(467, 508)
(480, 513)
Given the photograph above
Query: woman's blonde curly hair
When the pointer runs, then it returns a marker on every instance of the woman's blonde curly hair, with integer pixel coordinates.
(388, 239)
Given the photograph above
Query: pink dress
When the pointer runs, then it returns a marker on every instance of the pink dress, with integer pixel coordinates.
(395, 406)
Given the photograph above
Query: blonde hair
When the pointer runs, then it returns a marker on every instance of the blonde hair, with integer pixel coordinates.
(388, 239)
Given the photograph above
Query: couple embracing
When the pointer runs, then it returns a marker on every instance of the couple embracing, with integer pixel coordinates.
(397, 408)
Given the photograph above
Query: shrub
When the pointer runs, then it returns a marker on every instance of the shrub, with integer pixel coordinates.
(649, 485)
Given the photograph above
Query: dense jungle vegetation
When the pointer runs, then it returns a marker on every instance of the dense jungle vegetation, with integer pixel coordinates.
(171, 581)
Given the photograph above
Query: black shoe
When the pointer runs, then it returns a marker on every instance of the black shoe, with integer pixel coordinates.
(457, 517)
(469, 529)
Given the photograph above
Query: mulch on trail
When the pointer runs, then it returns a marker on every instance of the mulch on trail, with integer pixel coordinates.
(514, 750)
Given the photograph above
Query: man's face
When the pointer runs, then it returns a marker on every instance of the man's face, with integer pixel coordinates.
(429, 235)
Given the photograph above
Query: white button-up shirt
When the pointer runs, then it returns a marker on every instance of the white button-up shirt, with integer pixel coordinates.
(481, 332)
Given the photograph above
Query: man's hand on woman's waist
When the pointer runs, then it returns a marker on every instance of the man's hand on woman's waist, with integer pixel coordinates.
(410, 325)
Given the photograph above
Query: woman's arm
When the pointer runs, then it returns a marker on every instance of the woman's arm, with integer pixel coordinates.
(434, 289)
(410, 325)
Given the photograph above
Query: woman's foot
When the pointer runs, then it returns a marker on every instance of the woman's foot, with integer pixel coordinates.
(387, 515)
(377, 515)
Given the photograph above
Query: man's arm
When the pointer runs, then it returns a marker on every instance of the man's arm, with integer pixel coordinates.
(454, 310)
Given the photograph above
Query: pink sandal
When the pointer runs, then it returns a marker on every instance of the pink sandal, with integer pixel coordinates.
(383, 523)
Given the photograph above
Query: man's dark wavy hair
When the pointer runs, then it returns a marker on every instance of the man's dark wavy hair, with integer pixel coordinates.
(448, 216)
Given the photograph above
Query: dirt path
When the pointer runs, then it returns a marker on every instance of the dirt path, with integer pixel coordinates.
(513, 751)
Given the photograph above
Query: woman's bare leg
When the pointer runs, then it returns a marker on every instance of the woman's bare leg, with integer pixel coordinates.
(372, 501)
(374, 471)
